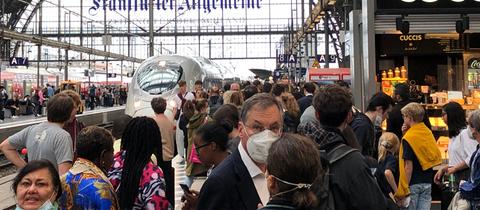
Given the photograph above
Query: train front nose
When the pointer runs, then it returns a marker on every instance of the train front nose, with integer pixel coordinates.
(154, 78)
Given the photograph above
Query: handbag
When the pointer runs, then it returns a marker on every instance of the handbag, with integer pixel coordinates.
(458, 203)
(194, 156)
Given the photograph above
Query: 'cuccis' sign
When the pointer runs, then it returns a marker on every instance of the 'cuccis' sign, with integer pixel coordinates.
(474, 63)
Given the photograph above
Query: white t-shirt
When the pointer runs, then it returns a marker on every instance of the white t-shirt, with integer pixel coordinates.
(461, 148)
(178, 101)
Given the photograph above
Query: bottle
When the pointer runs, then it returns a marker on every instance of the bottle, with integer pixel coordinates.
(390, 73)
(384, 74)
(451, 180)
(470, 79)
(403, 71)
(397, 72)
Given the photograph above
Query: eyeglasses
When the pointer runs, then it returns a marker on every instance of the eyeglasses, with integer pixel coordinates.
(256, 128)
(197, 149)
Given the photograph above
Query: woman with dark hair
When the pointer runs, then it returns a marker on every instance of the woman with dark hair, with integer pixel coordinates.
(200, 117)
(40, 180)
(73, 127)
(237, 99)
(293, 164)
(138, 182)
(291, 113)
(86, 185)
(228, 113)
(211, 145)
(188, 110)
(461, 145)
(211, 142)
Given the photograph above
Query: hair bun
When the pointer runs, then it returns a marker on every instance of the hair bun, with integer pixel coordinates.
(227, 125)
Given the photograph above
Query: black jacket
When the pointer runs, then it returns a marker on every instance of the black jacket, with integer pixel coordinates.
(351, 181)
(304, 103)
(229, 187)
(395, 119)
(365, 132)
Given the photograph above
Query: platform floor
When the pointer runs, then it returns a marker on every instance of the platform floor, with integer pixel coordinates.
(31, 117)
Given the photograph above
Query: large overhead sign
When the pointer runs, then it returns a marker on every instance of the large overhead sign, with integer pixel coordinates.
(142, 5)
(18, 61)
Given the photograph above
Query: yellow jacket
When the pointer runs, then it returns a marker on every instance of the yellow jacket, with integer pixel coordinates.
(423, 144)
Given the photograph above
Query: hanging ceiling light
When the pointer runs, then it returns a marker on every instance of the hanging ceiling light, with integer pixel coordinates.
(477, 0)
(458, 0)
(411, 1)
(429, 1)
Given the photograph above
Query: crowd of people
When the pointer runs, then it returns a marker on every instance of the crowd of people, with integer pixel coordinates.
(26, 105)
(34, 103)
(261, 146)
(107, 96)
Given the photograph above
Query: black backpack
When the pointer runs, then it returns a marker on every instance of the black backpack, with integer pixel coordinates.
(321, 186)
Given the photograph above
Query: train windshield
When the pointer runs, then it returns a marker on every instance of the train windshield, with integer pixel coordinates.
(159, 76)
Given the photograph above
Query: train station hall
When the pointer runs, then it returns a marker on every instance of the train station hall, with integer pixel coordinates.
(240, 104)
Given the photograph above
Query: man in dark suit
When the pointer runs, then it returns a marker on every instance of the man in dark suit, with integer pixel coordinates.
(306, 101)
(238, 183)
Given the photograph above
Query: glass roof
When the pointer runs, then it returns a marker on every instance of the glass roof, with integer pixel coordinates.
(251, 36)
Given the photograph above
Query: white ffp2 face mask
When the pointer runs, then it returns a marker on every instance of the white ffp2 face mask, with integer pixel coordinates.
(259, 144)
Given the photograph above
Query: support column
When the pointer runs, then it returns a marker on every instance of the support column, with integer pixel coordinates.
(327, 39)
(39, 49)
(105, 43)
(368, 41)
(59, 27)
(66, 65)
(81, 27)
(356, 59)
(128, 35)
(39, 57)
(150, 19)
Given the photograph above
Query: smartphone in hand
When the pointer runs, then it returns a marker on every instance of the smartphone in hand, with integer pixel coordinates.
(185, 188)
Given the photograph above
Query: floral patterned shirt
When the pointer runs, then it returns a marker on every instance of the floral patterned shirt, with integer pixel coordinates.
(151, 188)
(85, 186)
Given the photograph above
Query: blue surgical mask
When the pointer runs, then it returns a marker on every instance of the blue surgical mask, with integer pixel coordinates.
(48, 205)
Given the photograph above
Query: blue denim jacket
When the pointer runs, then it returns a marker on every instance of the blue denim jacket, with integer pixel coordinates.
(470, 189)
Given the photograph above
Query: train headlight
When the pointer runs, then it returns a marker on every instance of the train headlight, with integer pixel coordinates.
(137, 104)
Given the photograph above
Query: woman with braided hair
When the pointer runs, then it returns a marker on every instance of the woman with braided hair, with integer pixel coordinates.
(138, 182)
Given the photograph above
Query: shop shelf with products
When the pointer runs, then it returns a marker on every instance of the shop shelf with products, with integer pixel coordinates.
(392, 77)
(388, 84)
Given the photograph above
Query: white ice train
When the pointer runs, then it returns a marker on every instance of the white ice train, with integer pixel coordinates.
(159, 75)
